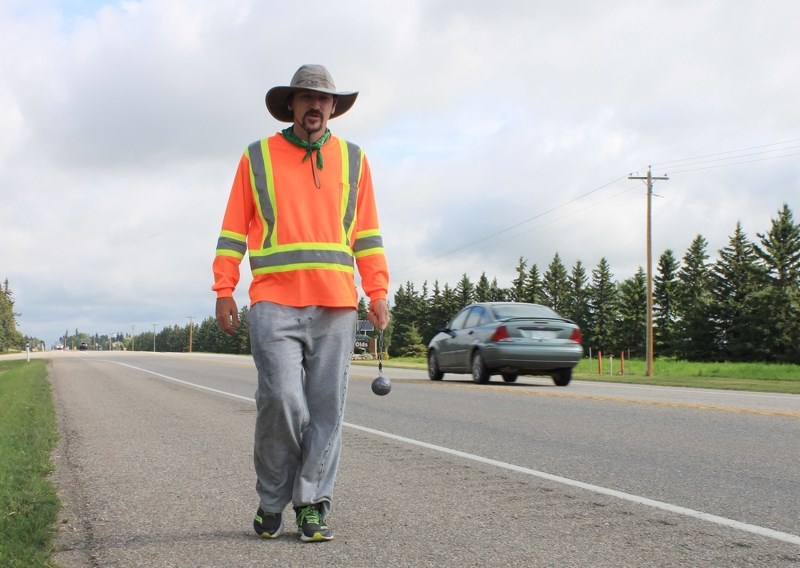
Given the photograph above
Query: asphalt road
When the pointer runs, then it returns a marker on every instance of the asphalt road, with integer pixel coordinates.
(157, 472)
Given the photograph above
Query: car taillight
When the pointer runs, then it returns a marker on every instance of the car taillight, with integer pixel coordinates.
(500, 334)
(576, 336)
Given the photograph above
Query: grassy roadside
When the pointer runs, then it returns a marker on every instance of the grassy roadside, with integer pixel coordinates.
(28, 433)
(755, 377)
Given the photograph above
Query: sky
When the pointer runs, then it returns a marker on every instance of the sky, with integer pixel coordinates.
(494, 130)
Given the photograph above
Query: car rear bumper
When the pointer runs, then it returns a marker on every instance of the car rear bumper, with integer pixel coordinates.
(521, 358)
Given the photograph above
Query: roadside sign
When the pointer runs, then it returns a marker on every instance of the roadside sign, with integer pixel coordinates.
(361, 343)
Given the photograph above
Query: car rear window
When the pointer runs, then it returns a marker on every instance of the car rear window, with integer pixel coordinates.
(505, 311)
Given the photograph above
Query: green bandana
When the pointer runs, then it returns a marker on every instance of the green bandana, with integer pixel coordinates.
(289, 134)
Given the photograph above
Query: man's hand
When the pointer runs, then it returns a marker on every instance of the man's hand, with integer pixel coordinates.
(378, 314)
(227, 315)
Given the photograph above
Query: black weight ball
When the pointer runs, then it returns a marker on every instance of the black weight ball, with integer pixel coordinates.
(381, 386)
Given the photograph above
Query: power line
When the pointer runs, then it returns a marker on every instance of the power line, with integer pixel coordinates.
(738, 156)
(662, 165)
(550, 222)
(493, 235)
(735, 163)
(715, 157)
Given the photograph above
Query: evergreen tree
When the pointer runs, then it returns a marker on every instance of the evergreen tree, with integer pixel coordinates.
(603, 308)
(532, 288)
(576, 305)
(242, 338)
(205, 336)
(779, 250)
(422, 310)
(483, 289)
(404, 314)
(422, 314)
(665, 290)
(10, 338)
(450, 302)
(555, 285)
(498, 294)
(631, 330)
(518, 284)
(362, 308)
(694, 328)
(465, 291)
(411, 340)
(176, 338)
(438, 314)
(6, 316)
(737, 281)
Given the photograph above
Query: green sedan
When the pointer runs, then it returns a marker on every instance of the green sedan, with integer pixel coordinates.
(508, 339)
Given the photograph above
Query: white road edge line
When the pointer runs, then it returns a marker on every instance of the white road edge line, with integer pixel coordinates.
(187, 383)
(723, 521)
(755, 529)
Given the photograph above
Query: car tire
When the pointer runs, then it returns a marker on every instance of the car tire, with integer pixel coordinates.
(480, 374)
(434, 373)
(562, 377)
(510, 377)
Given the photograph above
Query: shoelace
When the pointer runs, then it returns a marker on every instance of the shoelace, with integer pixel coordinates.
(309, 515)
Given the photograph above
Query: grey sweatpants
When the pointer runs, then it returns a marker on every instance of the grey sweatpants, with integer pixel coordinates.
(303, 360)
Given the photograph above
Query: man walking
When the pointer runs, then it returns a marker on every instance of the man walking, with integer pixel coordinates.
(303, 207)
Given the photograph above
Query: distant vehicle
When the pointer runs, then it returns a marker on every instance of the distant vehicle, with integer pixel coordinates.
(83, 346)
(508, 339)
(59, 347)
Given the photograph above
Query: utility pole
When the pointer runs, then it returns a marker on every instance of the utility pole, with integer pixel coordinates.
(133, 338)
(154, 338)
(191, 327)
(649, 178)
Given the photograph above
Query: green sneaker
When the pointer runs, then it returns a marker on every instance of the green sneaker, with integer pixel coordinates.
(268, 525)
(312, 525)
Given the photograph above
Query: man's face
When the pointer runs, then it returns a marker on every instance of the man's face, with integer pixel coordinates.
(311, 110)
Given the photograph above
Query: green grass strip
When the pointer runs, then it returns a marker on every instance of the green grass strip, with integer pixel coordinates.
(754, 377)
(29, 504)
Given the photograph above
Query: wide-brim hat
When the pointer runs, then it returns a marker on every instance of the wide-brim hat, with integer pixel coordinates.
(310, 78)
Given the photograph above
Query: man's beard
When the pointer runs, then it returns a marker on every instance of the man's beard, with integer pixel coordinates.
(312, 129)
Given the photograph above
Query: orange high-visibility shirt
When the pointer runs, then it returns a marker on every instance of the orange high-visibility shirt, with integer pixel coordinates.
(301, 240)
